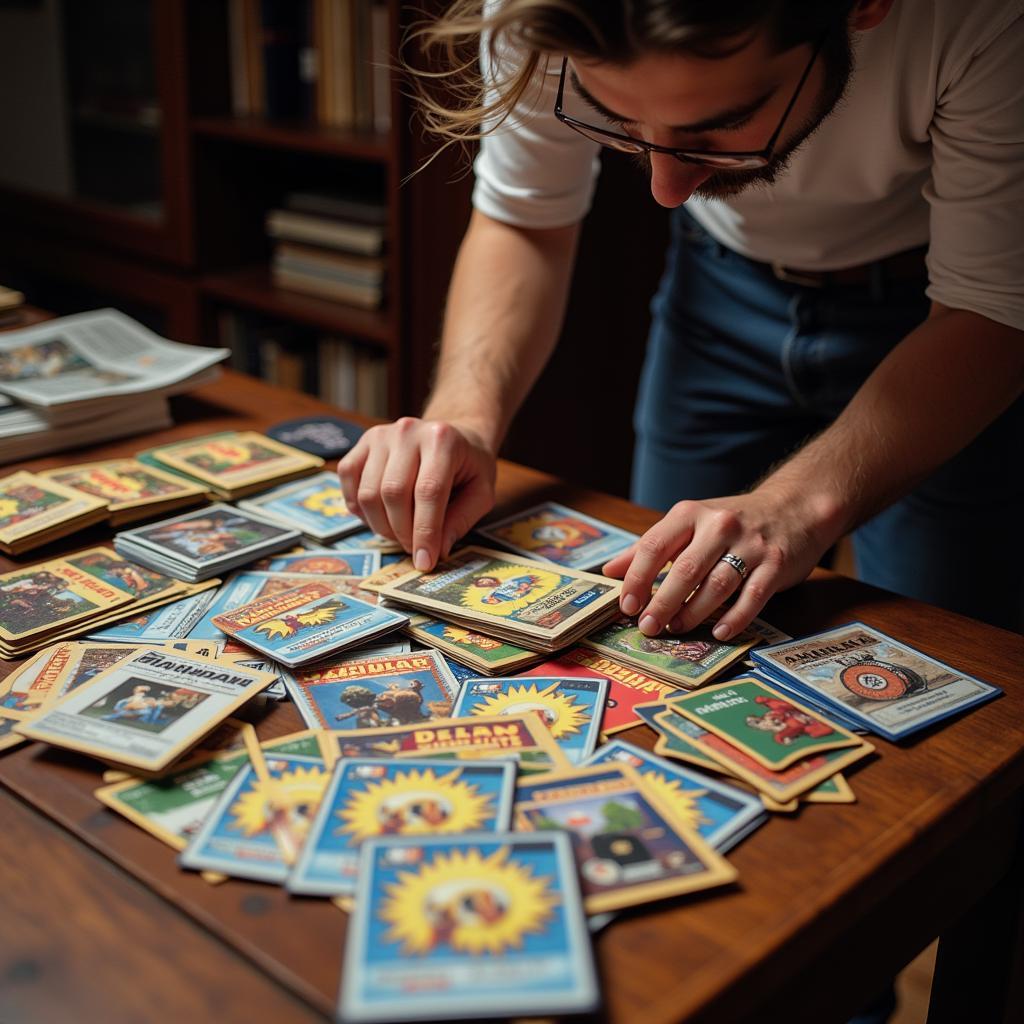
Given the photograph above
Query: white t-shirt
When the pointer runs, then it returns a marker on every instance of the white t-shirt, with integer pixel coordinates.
(927, 147)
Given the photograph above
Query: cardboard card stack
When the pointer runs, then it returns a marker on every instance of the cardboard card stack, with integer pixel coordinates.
(316, 506)
(536, 605)
(233, 464)
(131, 490)
(65, 597)
(35, 511)
(204, 543)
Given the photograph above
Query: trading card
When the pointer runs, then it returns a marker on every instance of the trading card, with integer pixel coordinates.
(675, 738)
(460, 672)
(141, 582)
(254, 820)
(522, 737)
(37, 682)
(558, 534)
(307, 623)
(323, 563)
(370, 692)
(761, 722)
(30, 504)
(171, 622)
(571, 707)
(783, 785)
(627, 687)
(686, 661)
(835, 790)
(388, 573)
(45, 597)
(147, 710)
(235, 459)
(9, 738)
(239, 589)
(630, 848)
(467, 926)
(315, 506)
(210, 534)
(367, 798)
(127, 483)
(789, 807)
(720, 813)
(480, 651)
(538, 600)
(366, 538)
(892, 688)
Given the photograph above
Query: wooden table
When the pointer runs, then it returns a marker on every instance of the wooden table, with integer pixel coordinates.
(98, 923)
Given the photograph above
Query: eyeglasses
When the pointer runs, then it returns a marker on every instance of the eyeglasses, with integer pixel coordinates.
(737, 160)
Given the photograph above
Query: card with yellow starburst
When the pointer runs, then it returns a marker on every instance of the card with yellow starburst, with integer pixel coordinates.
(370, 797)
(571, 707)
(315, 506)
(467, 926)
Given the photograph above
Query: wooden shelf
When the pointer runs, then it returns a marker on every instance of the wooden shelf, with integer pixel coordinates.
(303, 137)
(252, 288)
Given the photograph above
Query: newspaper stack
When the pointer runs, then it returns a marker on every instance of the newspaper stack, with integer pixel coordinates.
(90, 377)
(35, 511)
(233, 464)
(204, 542)
(536, 605)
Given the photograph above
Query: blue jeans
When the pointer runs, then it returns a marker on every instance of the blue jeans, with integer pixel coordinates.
(742, 368)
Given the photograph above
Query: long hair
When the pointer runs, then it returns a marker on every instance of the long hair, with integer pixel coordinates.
(458, 106)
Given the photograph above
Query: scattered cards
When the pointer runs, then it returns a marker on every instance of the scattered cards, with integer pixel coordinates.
(35, 511)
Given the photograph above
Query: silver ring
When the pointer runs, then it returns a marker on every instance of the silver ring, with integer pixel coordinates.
(737, 563)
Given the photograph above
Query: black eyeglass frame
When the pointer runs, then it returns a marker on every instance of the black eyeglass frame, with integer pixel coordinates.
(745, 159)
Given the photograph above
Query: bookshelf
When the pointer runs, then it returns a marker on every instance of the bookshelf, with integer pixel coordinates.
(175, 232)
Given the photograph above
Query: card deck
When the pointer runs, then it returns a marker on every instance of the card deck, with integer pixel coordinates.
(720, 813)
(369, 540)
(315, 506)
(35, 510)
(483, 653)
(891, 688)
(368, 797)
(307, 623)
(369, 692)
(172, 621)
(629, 845)
(467, 926)
(554, 533)
(571, 707)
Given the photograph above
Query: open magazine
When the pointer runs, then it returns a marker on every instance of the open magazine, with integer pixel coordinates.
(89, 362)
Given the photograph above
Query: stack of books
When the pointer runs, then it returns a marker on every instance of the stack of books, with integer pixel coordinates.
(35, 511)
(330, 246)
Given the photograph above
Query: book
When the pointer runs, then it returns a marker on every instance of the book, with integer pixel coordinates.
(334, 234)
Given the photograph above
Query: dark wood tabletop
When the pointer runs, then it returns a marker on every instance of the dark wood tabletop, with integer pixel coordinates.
(97, 922)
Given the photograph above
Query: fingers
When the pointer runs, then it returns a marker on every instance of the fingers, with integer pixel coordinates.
(658, 545)
(471, 502)
(397, 482)
(350, 470)
(759, 586)
(718, 586)
(616, 567)
(368, 495)
(432, 492)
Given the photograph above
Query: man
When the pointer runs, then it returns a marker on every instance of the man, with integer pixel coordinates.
(842, 300)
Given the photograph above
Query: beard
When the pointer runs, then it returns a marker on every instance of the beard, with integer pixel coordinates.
(837, 61)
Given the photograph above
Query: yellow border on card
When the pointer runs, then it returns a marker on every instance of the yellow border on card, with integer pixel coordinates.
(844, 794)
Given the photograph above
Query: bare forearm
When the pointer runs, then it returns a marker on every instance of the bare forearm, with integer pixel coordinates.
(505, 309)
(936, 391)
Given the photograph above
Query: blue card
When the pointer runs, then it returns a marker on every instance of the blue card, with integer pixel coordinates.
(238, 590)
(325, 563)
(461, 672)
(721, 813)
(173, 621)
(368, 798)
(246, 829)
(366, 538)
(570, 706)
(470, 926)
(314, 505)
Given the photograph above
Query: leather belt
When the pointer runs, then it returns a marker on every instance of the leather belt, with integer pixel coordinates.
(901, 266)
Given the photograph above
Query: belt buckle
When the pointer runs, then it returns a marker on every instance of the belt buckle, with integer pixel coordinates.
(795, 277)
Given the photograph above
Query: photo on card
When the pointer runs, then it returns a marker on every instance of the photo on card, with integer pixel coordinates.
(145, 705)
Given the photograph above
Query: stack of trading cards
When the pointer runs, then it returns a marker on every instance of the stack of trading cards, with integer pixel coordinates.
(531, 604)
(233, 464)
(476, 925)
(859, 673)
(307, 623)
(322, 563)
(686, 661)
(315, 506)
(35, 510)
(554, 533)
(65, 597)
(570, 706)
(371, 797)
(753, 732)
(484, 654)
(147, 710)
(391, 551)
(630, 845)
(131, 490)
(367, 691)
(204, 543)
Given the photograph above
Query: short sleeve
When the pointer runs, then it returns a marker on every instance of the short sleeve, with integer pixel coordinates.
(532, 171)
(976, 189)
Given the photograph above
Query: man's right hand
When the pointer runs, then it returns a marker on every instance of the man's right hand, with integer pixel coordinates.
(423, 483)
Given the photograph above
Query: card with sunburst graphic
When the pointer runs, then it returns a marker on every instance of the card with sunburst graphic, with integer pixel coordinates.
(368, 798)
(315, 506)
(722, 814)
(469, 926)
(630, 845)
(571, 707)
